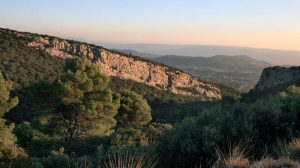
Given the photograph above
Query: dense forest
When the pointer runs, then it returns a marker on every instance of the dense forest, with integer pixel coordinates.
(66, 113)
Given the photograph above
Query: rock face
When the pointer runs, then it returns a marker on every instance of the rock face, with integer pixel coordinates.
(121, 65)
(277, 75)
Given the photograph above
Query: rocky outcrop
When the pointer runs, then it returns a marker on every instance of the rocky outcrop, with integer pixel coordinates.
(122, 65)
(273, 76)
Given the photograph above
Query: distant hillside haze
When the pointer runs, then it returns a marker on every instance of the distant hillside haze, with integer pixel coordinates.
(219, 61)
(239, 72)
(276, 57)
(137, 53)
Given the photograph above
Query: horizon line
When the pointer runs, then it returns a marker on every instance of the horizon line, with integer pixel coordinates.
(93, 41)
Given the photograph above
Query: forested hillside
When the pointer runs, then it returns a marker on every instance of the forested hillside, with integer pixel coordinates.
(116, 64)
(28, 67)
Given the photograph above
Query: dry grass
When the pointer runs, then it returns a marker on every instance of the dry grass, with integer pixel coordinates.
(264, 163)
(237, 158)
(80, 163)
(128, 160)
(280, 163)
(294, 149)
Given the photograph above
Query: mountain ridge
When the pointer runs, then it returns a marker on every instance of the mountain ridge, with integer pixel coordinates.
(121, 65)
(217, 58)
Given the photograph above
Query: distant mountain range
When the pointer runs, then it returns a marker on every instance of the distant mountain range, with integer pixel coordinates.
(276, 57)
(137, 53)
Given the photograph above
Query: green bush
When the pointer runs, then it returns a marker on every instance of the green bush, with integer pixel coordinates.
(134, 111)
(257, 125)
(196, 139)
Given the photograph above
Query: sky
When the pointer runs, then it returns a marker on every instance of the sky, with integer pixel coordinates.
(251, 23)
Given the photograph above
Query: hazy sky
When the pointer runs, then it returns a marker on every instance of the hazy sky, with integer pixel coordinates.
(254, 23)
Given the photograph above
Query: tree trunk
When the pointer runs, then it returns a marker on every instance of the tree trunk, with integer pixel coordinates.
(72, 129)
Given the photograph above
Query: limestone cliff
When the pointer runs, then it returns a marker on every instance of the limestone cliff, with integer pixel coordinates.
(121, 65)
(273, 76)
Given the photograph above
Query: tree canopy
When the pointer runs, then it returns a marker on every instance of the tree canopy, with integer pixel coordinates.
(134, 110)
(83, 100)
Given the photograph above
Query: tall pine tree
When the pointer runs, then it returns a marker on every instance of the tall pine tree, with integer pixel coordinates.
(83, 100)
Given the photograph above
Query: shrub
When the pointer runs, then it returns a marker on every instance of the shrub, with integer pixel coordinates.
(198, 138)
(280, 163)
(259, 124)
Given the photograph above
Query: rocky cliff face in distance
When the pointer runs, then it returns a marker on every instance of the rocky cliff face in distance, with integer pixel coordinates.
(273, 76)
(121, 65)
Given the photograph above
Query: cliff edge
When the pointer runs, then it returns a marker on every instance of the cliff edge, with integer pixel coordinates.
(273, 76)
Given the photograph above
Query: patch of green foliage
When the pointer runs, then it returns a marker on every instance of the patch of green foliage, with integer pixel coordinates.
(134, 111)
(8, 147)
(82, 100)
(25, 66)
(79, 109)
(166, 106)
(258, 125)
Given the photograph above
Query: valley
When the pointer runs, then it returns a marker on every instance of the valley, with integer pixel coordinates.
(239, 72)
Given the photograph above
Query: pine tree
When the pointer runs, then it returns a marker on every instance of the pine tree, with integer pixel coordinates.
(134, 110)
(83, 100)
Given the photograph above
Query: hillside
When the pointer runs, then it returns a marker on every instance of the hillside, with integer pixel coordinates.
(240, 72)
(27, 66)
(124, 66)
